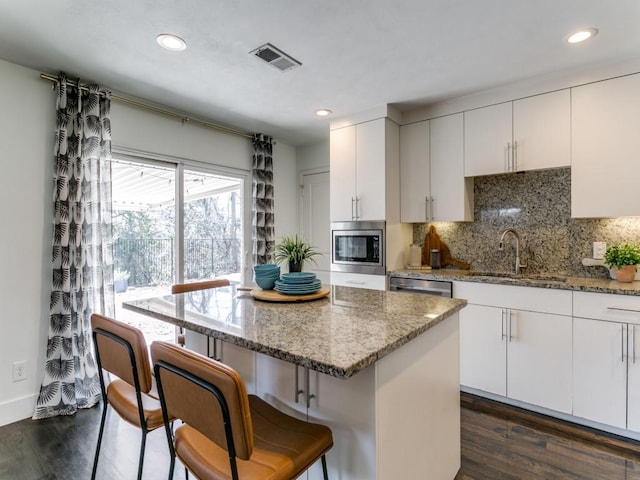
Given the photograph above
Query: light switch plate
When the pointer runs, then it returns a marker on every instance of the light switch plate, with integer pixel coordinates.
(598, 250)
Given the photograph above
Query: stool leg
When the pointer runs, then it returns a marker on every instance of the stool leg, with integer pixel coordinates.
(141, 460)
(324, 468)
(102, 420)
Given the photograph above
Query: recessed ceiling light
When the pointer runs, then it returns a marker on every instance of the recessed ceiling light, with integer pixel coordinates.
(323, 112)
(171, 42)
(582, 35)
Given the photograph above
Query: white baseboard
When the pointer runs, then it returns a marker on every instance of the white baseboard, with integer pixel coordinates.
(17, 409)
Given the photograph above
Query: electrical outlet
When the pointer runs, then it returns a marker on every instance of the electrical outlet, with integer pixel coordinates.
(598, 250)
(19, 371)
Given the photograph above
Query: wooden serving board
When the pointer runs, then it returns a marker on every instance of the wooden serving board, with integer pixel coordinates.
(273, 296)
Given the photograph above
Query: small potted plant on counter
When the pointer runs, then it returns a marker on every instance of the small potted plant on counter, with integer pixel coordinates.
(296, 251)
(623, 259)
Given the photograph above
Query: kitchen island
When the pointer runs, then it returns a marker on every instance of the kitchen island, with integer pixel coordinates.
(380, 368)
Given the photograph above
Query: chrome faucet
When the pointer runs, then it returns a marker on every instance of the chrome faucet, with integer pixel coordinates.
(517, 237)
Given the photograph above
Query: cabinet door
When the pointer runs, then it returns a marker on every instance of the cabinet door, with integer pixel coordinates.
(487, 136)
(342, 175)
(414, 172)
(542, 131)
(539, 359)
(348, 408)
(276, 384)
(633, 378)
(242, 360)
(599, 371)
(452, 193)
(483, 353)
(370, 170)
(604, 150)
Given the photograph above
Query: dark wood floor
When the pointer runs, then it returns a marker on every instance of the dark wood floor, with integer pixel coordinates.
(496, 445)
(506, 443)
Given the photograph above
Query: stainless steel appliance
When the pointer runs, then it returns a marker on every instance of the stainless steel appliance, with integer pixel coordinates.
(430, 287)
(358, 247)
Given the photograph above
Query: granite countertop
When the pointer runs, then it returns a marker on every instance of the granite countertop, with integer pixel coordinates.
(581, 284)
(338, 335)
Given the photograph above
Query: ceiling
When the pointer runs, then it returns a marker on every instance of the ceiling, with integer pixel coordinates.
(355, 54)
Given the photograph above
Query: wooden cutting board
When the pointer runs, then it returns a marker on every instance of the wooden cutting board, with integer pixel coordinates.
(273, 296)
(431, 241)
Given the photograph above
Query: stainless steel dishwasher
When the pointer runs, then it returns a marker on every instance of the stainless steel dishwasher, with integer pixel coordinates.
(438, 288)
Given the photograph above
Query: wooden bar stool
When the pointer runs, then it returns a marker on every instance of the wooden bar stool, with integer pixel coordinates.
(226, 433)
(122, 350)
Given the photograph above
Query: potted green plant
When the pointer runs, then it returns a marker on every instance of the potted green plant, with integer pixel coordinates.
(295, 251)
(622, 259)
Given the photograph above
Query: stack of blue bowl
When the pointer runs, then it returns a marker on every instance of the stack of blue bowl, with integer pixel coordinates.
(266, 275)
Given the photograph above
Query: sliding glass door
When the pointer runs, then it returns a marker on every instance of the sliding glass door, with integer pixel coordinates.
(173, 223)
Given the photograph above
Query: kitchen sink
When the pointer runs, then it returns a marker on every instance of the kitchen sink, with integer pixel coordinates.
(513, 277)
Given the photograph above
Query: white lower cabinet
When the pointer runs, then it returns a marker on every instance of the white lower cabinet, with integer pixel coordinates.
(519, 354)
(606, 359)
(359, 280)
(384, 417)
(539, 359)
(483, 351)
(343, 405)
(600, 371)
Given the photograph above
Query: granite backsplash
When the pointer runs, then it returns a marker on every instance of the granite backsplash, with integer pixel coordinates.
(537, 205)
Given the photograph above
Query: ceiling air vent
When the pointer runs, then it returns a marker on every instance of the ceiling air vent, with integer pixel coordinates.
(276, 58)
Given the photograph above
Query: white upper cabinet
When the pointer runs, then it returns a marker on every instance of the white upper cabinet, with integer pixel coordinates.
(342, 176)
(433, 186)
(542, 131)
(370, 170)
(414, 173)
(605, 162)
(451, 192)
(487, 140)
(357, 176)
(528, 134)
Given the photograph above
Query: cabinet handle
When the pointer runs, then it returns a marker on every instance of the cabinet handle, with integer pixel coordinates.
(515, 157)
(624, 309)
(431, 208)
(353, 282)
(353, 200)
(426, 208)
(297, 386)
(622, 342)
(510, 324)
(306, 387)
(508, 169)
(357, 208)
(502, 324)
(633, 343)
(215, 355)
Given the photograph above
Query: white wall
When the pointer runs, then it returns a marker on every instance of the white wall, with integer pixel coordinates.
(313, 156)
(27, 124)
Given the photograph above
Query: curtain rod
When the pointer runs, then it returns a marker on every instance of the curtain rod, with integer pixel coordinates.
(162, 111)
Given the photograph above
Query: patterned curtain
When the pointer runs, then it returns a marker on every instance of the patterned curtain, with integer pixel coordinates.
(82, 263)
(263, 218)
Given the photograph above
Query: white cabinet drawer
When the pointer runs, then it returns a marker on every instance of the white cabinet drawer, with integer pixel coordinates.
(544, 300)
(359, 280)
(606, 306)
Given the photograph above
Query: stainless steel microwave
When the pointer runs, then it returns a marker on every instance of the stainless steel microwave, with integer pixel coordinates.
(358, 247)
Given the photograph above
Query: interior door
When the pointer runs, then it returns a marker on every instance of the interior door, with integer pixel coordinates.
(315, 221)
